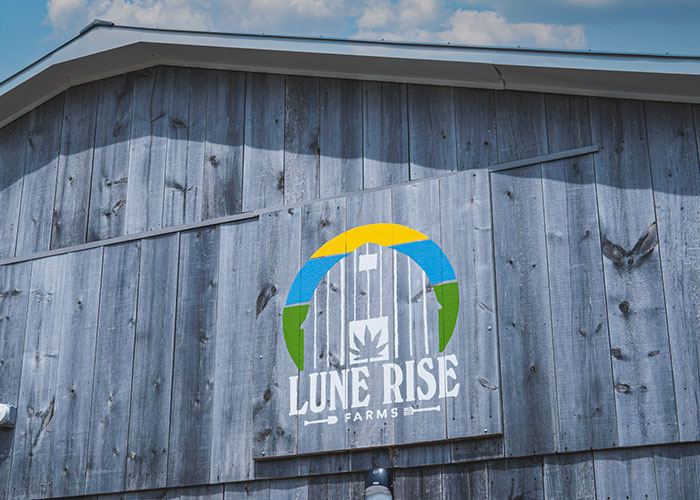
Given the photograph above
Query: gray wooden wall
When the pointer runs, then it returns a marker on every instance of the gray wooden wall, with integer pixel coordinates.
(588, 268)
(655, 473)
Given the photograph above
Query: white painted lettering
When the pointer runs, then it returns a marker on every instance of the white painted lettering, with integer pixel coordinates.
(318, 401)
(447, 373)
(340, 388)
(410, 381)
(293, 398)
(428, 378)
(392, 387)
(357, 384)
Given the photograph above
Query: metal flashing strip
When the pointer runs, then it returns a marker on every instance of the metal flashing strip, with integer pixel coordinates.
(544, 158)
(560, 155)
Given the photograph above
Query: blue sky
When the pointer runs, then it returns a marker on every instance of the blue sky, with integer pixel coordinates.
(31, 28)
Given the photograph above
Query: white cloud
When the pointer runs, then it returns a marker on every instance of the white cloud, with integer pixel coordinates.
(411, 20)
(271, 16)
(71, 15)
(405, 13)
(591, 3)
(474, 27)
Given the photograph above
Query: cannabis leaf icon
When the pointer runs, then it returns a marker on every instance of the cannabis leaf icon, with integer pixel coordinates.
(367, 347)
(369, 340)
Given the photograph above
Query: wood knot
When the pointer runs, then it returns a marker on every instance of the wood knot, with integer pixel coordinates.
(280, 182)
(624, 307)
(488, 385)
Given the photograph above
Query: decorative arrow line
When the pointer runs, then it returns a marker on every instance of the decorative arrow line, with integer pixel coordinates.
(330, 421)
(410, 410)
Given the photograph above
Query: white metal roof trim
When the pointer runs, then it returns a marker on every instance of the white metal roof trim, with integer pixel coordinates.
(105, 51)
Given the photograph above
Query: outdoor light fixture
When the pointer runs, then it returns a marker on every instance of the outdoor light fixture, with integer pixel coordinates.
(377, 485)
(8, 415)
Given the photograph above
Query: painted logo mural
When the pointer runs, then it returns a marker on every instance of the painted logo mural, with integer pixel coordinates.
(378, 352)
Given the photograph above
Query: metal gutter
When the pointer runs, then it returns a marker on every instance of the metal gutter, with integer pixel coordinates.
(103, 49)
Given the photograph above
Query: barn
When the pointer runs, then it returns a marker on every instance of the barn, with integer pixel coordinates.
(248, 266)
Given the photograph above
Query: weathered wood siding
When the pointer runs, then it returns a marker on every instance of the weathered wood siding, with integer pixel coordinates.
(159, 363)
(661, 472)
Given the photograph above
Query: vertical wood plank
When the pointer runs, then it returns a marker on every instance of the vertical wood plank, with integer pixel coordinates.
(14, 300)
(465, 481)
(289, 489)
(111, 391)
(39, 185)
(477, 449)
(222, 186)
(32, 461)
(340, 137)
(76, 365)
(210, 492)
(418, 207)
(522, 126)
(321, 222)
(676, 180)
(147, 456)
(137, 495)
(192, 403)
(585, 400)
(301, 139)
(318, 487)
(385, 136)
(644, 393)
(279, 254)
(625, 473)
(256, 490)
(569, 476)
(70, 209)
(231, 454)
(431, 117)
(263, 157)
(524, 316)
(111, 159)
(516, 478)
(343, 486)
(466, 233)
(331, 487)
(677, 471)
(147, 150)
(524, 309)
(185, 147)
(475, 128)
(363, 301)
(357, 485)
(414, 484)
(13, 154)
